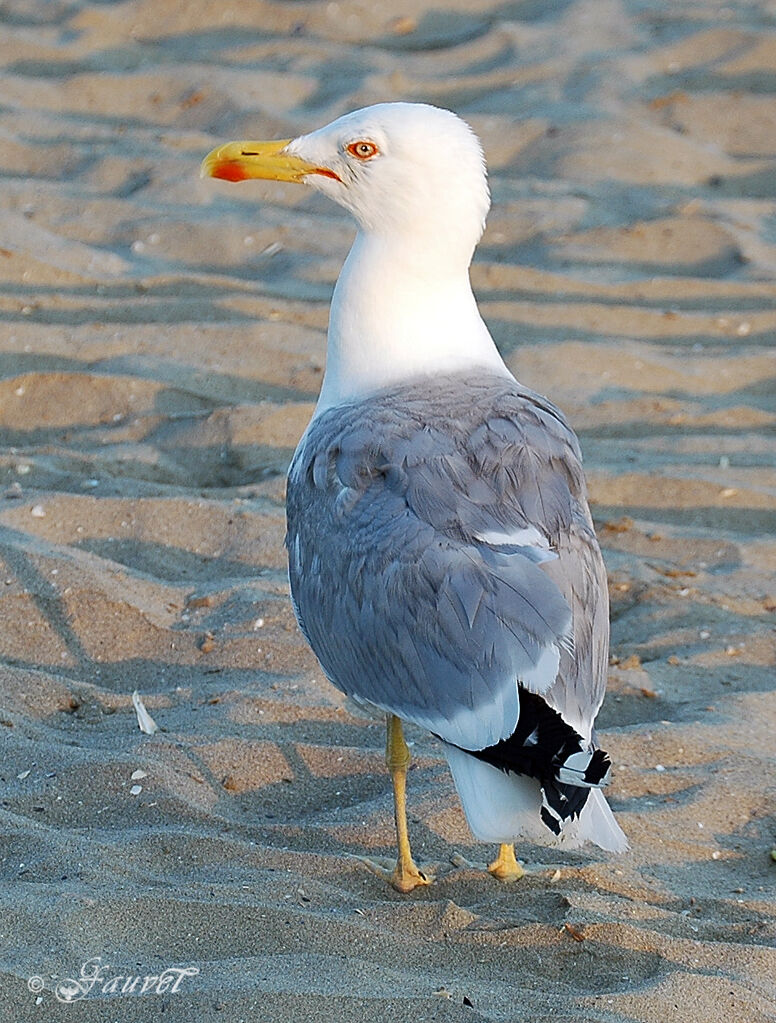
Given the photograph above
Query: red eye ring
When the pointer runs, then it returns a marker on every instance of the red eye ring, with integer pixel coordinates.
(363, 149)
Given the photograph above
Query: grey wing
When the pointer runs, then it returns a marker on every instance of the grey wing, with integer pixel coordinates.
(580, 574)
(417, 545)
(552, 494)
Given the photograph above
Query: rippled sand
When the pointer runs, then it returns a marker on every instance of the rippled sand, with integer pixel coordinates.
(161, 346)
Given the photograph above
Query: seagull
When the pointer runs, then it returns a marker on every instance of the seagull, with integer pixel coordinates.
(442, 558)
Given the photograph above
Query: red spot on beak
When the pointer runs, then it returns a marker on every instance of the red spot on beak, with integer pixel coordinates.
(228, 171)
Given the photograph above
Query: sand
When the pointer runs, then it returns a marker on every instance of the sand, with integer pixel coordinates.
(162, 341)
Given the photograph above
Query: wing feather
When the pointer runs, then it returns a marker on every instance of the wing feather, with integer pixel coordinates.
(405, 604)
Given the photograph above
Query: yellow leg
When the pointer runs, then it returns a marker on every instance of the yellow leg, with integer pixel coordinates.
(505, 867)
(406, 876)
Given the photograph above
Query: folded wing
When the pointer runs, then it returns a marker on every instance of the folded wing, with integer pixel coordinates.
(434, 550)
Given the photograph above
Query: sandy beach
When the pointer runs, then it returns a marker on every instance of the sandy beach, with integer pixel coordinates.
(162, 342)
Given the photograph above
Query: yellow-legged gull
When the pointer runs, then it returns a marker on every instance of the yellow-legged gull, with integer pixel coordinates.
(442, 557)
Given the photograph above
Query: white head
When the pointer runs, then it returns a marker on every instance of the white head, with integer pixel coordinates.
(402, 169)
(414, 178)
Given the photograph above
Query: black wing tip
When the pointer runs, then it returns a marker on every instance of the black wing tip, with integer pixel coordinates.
(591, 769)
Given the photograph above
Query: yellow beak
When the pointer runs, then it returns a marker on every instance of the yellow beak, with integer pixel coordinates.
(239, 161)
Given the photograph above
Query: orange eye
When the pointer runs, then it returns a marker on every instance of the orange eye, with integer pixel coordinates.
(363, 150)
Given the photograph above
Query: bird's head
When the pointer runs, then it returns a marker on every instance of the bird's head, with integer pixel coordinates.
(402, 169)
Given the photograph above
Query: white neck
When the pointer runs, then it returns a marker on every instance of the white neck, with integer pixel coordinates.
(398, 313)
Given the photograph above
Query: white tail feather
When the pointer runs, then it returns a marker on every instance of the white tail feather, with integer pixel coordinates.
(502, 807)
